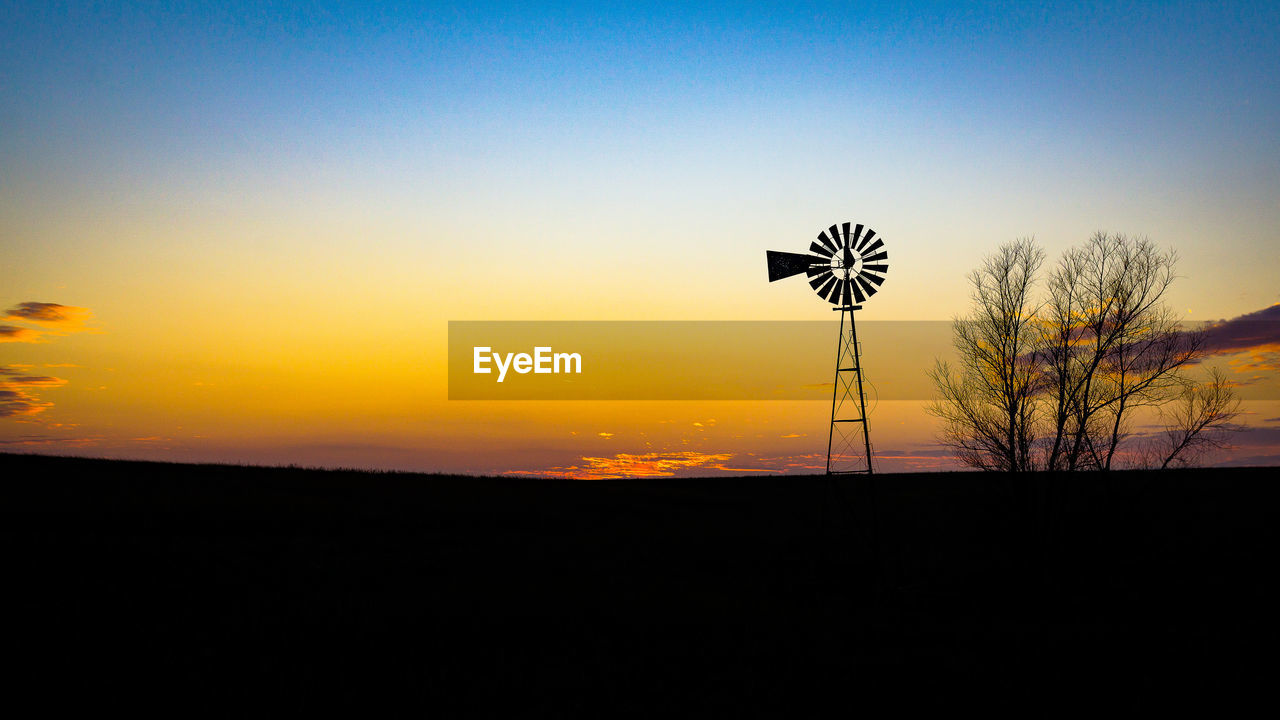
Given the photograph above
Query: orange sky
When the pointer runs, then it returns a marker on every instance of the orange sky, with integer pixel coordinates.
(75, 386)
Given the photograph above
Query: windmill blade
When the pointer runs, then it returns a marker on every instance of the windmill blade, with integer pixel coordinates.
(866, 239)
(838, 293)
(845, 229)
(874, 246)
(822, 238)
(882, 255)
(866, 286)
(877, 268)
(818, 269)
(835, 235)
(844, 298)
(872, 277)
(857, 294)
(826, 275)
(833, 291)
(785, 264)
(826, 289)
(857, 233)
(816, 248)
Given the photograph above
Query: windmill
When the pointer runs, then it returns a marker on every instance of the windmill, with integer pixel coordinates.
(846, 265)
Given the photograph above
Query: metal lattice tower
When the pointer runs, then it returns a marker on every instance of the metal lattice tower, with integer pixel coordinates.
(846, 265)
(849, 440)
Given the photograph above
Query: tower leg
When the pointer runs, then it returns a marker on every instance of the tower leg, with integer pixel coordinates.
(849, 440)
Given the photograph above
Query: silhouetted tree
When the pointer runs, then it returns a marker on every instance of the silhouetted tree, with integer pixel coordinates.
(1110, 346)
(1200, 420)
(986, 402)
(1067, 375)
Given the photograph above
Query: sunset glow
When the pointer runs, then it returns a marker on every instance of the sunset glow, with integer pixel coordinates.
(238, 232)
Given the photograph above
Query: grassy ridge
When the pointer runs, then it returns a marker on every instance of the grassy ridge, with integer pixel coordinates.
(269, 588)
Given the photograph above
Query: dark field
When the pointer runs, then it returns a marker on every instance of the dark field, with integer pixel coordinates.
(256, 591)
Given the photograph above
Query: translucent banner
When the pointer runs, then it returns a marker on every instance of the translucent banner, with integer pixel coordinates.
(739, 360)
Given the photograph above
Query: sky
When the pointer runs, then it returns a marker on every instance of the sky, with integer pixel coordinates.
(259, 218)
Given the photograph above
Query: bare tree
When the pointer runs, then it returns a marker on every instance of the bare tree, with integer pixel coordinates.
(1111, 346)
(1200, 420)
(987, 403)
(1060, 344)
(1068, 375)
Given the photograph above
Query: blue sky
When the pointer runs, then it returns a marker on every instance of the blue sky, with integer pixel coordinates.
(691, 130)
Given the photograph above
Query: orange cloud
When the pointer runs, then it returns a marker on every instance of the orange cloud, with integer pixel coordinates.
(50, 441)
(13, 333)
(16, 400)
(49, 314)
(643, 465)
(1264, 358)
(51, 318)
(17, 403)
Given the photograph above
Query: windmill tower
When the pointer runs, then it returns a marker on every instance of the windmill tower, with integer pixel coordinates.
(846, 265)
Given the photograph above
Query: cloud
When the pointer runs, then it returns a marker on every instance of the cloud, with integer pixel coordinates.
(17, 403)
(46, 441)
(1253, 337)
(13, 333)
(1252, 461)
(34, 381)
(51, 314)
(1261, 360)
(16, 400)
(16, 381)
(50, 319)
(1255, 436)
(1249, 332)
(919, 452)
(642, 465)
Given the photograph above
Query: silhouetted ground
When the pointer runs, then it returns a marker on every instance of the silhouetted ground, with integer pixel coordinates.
(186, 588)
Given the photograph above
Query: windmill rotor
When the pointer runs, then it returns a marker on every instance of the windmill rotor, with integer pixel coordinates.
(845, 265)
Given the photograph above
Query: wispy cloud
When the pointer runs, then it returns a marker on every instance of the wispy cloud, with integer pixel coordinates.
(18, 403)
(1252, 445)
(49, 314)
(49, 441)
(16, 399)
(48, 319)
(13, 333)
